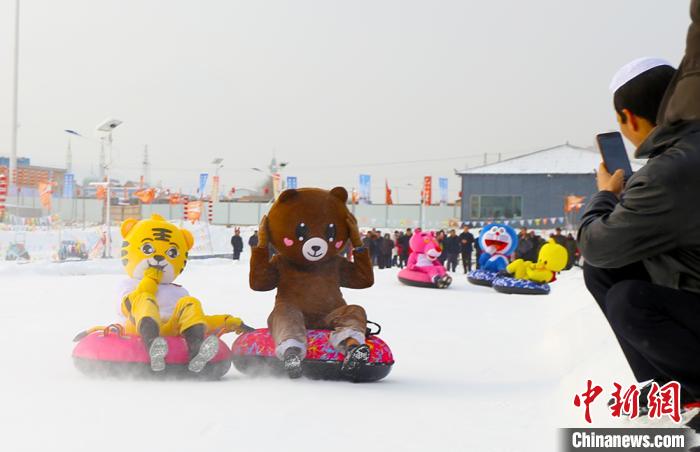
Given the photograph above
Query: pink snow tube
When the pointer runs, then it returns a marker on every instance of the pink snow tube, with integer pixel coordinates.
(418, 279)
(108, 352)
(254, 353)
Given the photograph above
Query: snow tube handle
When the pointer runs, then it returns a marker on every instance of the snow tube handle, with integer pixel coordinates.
(114, 328)
(106, 330)
(369, 330)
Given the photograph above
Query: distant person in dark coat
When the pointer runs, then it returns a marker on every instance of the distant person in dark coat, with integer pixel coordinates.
(451, 250)
(386, 246)
(237, 244)
(405, 249)
(536, 243)
(253, 240)
(466, 247)
(572, 248)
(441, 236)
(523, 251)
(559, 237)
(374, 239)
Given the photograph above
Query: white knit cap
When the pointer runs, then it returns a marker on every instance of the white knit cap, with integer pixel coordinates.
(634, 69)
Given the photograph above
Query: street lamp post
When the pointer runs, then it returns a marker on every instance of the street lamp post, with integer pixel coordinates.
(107, 127)
(15, 96)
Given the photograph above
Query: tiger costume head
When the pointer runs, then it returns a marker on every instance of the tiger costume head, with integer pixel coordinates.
(155, 243)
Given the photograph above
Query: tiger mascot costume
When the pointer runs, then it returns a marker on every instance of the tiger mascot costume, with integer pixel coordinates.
(154, 253)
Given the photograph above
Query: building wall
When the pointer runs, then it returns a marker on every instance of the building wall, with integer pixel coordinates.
(543, 194)
(29, 177)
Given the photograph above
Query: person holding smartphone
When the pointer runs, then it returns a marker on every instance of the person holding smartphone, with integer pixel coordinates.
(640, 238)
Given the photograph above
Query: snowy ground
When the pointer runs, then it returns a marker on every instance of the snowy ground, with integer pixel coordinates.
(475, 370)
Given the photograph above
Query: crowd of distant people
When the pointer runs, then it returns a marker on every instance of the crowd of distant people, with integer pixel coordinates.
(389, 250)
(392, 249)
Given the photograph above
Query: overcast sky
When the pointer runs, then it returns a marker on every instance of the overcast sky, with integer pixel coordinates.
(337, 88)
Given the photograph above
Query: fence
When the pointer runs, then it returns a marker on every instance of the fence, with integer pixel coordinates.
(90, 211)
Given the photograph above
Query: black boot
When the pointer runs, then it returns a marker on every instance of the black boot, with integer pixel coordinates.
(156, 346)
(200, 350)
(292, 362)
(194, 336)
(355, 358)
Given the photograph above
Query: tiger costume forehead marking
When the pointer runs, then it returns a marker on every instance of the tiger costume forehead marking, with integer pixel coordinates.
(155, 243)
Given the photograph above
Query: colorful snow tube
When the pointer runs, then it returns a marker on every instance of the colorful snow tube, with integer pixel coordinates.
(254, 354)
(110, 353)
(419, 279)
(508, 285)
(481, 277)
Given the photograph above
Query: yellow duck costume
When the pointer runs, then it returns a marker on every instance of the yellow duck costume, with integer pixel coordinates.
(154, 253)
(551, 259)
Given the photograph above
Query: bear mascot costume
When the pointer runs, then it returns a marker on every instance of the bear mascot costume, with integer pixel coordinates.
(308, 228)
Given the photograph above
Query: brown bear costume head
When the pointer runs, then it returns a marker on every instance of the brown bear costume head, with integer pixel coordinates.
(309, 225)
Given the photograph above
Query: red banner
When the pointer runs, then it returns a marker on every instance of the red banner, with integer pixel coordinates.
(427, 190)
(45, 192)
(387, 190)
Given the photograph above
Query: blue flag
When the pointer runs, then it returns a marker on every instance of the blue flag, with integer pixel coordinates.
(443, 190)
(68, 185)
(365, 189)
(202, 183)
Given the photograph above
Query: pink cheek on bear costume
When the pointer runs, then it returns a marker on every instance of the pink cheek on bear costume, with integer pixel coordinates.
(338, 244)
(288, 242)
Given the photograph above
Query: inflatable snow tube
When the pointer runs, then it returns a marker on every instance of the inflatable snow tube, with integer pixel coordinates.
(254, 354)
(108, 353)
(519, 286)
(481, 277)
(419, 279)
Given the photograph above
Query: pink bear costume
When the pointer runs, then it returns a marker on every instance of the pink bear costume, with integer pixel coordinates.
(425, 251)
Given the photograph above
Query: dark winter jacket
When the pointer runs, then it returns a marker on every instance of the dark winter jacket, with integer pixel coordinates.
(682, 98)
(468, 237)
(451, 245)
(237, 243)
(572, 249)
(404, 242)
(386, 246)
(523, 251)
(559, 239)
(253, 241)
(657, 221)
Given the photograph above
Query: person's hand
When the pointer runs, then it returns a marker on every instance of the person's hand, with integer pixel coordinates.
(156, 274)
(610, 182)
(262, 233)
(353, 231)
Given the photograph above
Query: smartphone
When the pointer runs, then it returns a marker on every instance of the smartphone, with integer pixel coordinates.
(614, 154)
